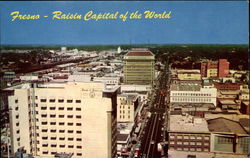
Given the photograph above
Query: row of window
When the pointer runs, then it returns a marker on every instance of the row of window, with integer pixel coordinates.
(192, 94)
(123, 111)
(191, 99)
(60, 108)
(61, 123)
(61, 116)
(189, 137)
(69, 139)
(123, 116)
(189, 143)
(123, 106)
(191, 149)
(62, 146)
(53, 153)
(61, 138)
(59, 100)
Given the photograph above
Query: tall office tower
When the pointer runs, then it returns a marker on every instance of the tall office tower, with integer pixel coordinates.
(73, 118)
(139, 67)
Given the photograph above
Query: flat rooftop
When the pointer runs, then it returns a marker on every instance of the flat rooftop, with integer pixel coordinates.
(188, 123)
(228, 102)
(185, 87)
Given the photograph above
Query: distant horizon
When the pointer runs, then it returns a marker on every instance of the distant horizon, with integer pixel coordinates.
(4, 45)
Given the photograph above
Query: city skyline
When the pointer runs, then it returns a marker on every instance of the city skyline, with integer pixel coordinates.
(191, 23)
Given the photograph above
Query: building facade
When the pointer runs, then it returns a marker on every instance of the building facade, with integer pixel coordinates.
(139, 67)
(203, 95)
(215, 68)
(76, 118)
(126, 107)
(189, 74)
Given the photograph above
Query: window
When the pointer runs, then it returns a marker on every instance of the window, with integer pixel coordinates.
(78, 124)
(70, 131)
(70, 146)
(45, 138)
(53, 145)
(206, 138)
(45, 152)
(70, 109)
(70, 139)
(43, 100)
(78, 109)
(52, 123)
(43, 108)
(172, 136)
(16, 108)
(78, 116)
(52, 108)
(60, 100)
(186, 137)
(79, 147)
(78, 139)
(185, 143)
(61, 130)
(53, 130)
(52, 100)
(44, 123)
(62, 146)
(198, 143)
(70, 124)
(16, 101)
(192, 143)
(62, 138)
(70, 116)
(17, 116)
(61, 116)
(61, 123)
(53, 138)
(45, 145)
(78, 101)
(79, 132)
(61, 108)
(44, 130)
(179, 137)
(70, 101)
(79, 154)
(52, 116)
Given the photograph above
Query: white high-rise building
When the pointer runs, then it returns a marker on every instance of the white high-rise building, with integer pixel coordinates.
(119, 50)
(74, 118)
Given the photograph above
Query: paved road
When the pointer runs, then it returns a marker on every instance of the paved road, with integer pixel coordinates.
(153, 131)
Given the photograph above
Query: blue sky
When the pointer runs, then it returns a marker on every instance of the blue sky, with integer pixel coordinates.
(191, 23)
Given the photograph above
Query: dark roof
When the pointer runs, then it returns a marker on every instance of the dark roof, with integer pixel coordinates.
(225, 125)
(122, 137)
(139, 53)
(245, 122)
